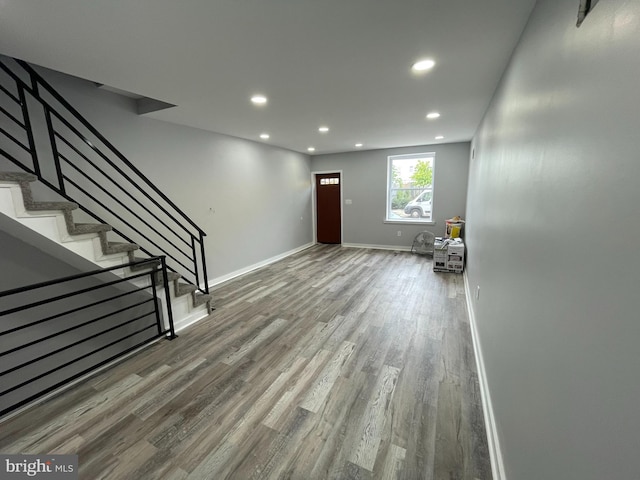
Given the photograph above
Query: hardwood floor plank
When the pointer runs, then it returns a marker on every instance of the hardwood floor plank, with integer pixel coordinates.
(374, 419)
(393, 463)
(335, 429)
(452, 442)
(289, 397)
(334, 363)
(265, 292)
(321, 388)
(251, 345)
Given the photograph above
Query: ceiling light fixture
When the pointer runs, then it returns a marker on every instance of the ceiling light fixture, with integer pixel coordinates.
(423, 65)
(439, 137)
(433, 115)
(323, 129)
(358, 145)
(311, 149)
(264, 136)
(259, 99)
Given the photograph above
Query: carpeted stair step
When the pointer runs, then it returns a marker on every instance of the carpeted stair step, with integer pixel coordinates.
(184, 288)
(109, 248)
(49, 206)
(82, 228)
(118, 247)
(31, 205)
(18, 177)
(200, 298)
(144, 266)
(171, 276)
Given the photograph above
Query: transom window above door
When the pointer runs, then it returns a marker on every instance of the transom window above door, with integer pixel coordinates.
(329, 181)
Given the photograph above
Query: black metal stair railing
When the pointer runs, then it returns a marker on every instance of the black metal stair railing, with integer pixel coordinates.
(54, 332)
(48, 137)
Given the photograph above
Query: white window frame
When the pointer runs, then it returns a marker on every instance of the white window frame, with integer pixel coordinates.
(409, 220)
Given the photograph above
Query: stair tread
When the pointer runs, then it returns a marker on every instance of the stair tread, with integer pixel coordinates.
(17, 177)
(121, 247)
(80, 228)
(171, 275)
(44, 206)
(201, 298)
(184, 288)
(152, 263)
(140, 259)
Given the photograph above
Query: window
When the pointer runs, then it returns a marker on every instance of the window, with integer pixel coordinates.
(410, 187)
(329, 181)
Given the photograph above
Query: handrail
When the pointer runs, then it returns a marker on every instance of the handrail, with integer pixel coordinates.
(76, 334)
(93, 130)
(71, 146)
(91, 273)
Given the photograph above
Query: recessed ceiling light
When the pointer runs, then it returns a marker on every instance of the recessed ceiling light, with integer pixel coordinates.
(422, 65)
(311, 149)
(439, 137)
(358, 145)
(264, 136)
(433, 115)
(259, 99)
(323, 129)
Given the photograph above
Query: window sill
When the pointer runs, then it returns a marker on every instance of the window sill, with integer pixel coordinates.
(408, 222)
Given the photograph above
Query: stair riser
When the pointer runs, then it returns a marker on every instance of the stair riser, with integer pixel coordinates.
(6, 201)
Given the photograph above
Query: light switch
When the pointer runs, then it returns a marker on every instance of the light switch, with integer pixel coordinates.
(348, 201)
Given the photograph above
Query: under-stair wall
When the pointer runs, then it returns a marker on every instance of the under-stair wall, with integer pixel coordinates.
(29, 259)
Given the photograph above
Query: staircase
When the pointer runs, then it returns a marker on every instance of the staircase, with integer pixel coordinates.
(54, 220)
(104, 208)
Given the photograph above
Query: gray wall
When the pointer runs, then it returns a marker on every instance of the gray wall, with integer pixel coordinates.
(365, 183)
(252, 199)
(553, 222)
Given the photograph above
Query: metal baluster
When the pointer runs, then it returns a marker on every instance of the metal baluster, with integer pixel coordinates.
(165, 280)
(27, 124)
(54, 150)
(204, 263)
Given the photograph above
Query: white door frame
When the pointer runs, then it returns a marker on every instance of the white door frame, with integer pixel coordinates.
(313, 203)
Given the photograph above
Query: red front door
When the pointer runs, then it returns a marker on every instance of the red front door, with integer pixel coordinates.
(328, 208)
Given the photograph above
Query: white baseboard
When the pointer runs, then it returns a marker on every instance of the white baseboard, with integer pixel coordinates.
(377, 247)
(497, 464)
(255, 266)
(189, 320)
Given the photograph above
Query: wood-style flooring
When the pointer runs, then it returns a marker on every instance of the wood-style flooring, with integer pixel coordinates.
(334, 363)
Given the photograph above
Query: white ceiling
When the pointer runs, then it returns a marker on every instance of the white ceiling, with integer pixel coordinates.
(343, 63)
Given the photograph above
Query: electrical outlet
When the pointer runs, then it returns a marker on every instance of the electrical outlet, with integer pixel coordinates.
(399, 233)
(477, 292)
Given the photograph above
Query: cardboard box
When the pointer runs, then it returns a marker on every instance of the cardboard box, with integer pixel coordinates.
(439, 255)
(448, 257)
(455, 267)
